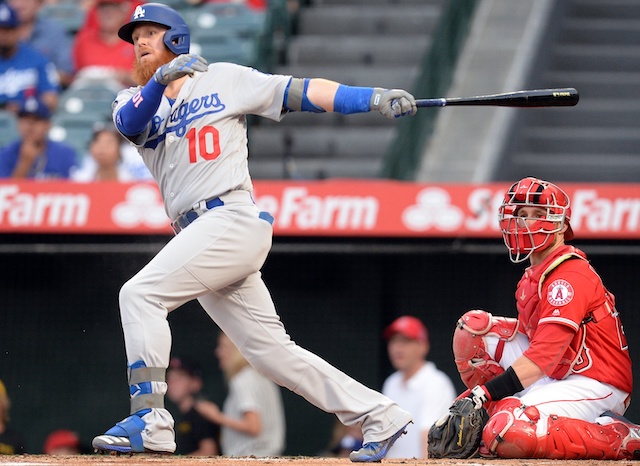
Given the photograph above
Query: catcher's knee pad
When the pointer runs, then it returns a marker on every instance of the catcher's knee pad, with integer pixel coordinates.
(474, 362)
(513, 433)
(508, 434)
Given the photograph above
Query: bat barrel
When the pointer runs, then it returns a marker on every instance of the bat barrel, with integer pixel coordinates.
(564, 97)
(561, 97)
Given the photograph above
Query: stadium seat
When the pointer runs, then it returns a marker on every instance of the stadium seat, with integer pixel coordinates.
(224, 48)
(225, 18)
(92, 100)
(68, 14)
(75, 130)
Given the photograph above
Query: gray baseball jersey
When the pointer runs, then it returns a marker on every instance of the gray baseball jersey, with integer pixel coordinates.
(197, 148)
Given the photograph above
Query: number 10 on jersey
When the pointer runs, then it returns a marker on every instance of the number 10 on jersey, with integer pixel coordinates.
(203, 142)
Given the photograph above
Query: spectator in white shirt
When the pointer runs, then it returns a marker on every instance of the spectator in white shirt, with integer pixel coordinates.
(252, 418)
(418, 386)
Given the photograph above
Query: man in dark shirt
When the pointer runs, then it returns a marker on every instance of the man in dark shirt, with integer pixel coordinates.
(195, 436)
(34, 155)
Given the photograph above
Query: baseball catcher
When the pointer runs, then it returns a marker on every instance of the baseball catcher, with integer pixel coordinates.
(557, 380)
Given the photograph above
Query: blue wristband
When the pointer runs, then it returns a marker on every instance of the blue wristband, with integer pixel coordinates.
(135, 115)
(350, 99)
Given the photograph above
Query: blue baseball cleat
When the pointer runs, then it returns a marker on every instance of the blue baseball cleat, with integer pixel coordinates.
(124, 437)
(373, 452)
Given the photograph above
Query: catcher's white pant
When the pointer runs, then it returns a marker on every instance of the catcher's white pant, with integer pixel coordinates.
(575, 396)
(217, 260)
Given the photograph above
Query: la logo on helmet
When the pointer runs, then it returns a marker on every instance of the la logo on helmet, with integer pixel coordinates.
(139, 12)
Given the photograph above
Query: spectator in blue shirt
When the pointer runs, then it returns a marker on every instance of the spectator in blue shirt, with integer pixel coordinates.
(24, 72)
(34, 155)
(46, 35)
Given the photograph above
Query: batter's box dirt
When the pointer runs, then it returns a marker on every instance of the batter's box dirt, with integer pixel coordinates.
(155, 460)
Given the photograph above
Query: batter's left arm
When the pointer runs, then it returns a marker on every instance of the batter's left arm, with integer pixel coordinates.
(323, 95)
(322, 92)
(134, 116)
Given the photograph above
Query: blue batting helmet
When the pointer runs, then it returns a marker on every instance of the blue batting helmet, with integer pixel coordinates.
(177, 37)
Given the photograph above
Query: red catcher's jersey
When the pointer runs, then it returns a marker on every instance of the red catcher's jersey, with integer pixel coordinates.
(565, 290)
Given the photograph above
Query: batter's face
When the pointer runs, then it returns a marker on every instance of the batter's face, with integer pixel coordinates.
(151, 51)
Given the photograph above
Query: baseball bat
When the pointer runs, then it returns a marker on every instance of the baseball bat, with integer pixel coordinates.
(563, 97)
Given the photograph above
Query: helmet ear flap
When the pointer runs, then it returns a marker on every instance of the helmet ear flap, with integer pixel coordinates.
(177, 43)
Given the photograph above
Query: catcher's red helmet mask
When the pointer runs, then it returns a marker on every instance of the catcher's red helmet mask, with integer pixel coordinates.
(523, 235)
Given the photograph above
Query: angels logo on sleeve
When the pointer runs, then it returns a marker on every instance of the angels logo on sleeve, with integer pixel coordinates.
(560, 293)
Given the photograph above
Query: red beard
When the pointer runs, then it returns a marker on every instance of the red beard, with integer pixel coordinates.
(143, 72)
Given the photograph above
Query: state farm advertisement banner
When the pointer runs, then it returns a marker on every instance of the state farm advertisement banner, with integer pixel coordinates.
(362, 208)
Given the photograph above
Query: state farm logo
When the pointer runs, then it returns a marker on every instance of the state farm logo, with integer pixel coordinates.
(142, 206)
(601, 214)
(42, 209)
(298, 209)
(433, 209)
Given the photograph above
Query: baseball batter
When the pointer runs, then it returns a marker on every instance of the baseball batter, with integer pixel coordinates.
(188, 122)
(565, 357)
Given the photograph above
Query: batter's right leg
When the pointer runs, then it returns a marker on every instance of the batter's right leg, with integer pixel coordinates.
(206, 255)
(247, 315)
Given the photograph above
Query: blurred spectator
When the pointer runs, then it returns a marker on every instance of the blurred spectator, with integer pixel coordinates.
(98, 53)
(252, 416)
(11, 441)
(91, 7)
(34, 155)
(24, 72)
(417, 385)
(195, 436)
(46, 36)
(110, 158)
(62, 442)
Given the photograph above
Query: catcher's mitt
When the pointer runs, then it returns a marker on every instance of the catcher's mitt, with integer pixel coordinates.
(458, 434)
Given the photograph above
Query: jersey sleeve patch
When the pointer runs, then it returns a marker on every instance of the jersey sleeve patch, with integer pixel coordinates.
(560, 293)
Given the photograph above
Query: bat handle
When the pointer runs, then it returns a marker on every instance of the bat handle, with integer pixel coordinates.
(431, 102)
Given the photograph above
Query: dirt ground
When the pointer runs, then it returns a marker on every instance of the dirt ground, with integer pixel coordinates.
(155, 460)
